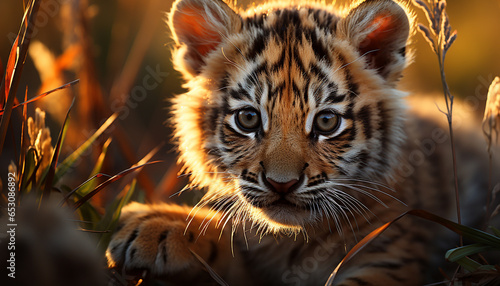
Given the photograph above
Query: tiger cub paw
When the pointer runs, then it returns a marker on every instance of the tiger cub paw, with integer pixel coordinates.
(157, 239)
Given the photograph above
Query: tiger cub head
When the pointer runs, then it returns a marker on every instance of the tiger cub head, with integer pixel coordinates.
(290, 108)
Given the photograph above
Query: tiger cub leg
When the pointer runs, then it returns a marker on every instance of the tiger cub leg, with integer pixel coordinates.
(161, 240)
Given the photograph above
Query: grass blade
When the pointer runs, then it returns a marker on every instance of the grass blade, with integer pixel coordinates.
(8, 97)
(9, 69)
(29, 170)
(79, 191)
(360, 246)
(465, 231)
(40, 96)
(212, 272)
(49, 179)
(495, 230)
(487, 276)
(458, 253)
(13, 73)
(87, 213)
(24, 142)
(112, 215)
(469, 264)
(100, 161)
(95, 172)
(2, 92)
(85, 198)
(70, 160)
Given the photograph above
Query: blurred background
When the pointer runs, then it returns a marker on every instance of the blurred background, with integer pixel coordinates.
(120, 52)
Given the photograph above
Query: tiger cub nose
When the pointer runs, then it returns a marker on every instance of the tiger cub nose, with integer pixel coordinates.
(282, 188)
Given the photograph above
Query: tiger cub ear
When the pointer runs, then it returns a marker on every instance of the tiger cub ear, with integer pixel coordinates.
(380, 30)
(198, 27)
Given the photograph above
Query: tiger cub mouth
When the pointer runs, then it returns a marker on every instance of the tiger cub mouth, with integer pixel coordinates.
(284, 203)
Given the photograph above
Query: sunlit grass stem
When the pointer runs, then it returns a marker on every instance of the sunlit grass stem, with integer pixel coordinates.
(440, 37)
(449, 116)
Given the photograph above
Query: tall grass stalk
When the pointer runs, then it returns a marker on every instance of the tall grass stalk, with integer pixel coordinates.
(17, 57)
(440, 37)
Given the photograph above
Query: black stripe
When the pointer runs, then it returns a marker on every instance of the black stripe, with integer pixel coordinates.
(385, 133)
(243, 91)
(212, 117)
(279, 64)
(258, 46)
(290, 60)
(358, 281)
(365, 116)
(349, 113)
(316, 70)
(132, 253)
(397, 278)
(249, 197)
(224, 83)
(351, 85)
(165, 256)
(249, 179)
(314, 183)
(333, 97)
(288, 17)
(227, 150)
(253, 200)
(213, 253)
(257, 20)
(364, 158)
(235, 94)
(305, 98)
(233, 132)
(275, 92)
(215, 152)
(323, 19)
(383, 264)
(252, 79)
(296, 90)
(319, 50)
(163, 236)
(298, 61)
(252, 189)
(190, 237)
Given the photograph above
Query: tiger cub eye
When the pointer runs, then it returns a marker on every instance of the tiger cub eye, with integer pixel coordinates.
(248, 119)
(326, 122)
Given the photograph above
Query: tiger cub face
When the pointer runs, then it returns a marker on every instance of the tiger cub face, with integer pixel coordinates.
(290, 108)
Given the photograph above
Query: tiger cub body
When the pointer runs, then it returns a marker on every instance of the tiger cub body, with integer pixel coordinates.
(293, 124)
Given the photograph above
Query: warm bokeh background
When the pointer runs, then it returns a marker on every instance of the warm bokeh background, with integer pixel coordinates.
(113, 47)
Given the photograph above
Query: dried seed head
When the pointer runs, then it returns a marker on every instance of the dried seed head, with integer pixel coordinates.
(427, 36)
(491, 119)
(40, 140)
(12, 168)
(439, 34)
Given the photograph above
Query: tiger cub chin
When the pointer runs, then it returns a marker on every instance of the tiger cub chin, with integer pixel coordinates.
(293, 124)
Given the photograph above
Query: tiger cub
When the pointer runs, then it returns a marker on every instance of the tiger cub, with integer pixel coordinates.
(293, 124)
